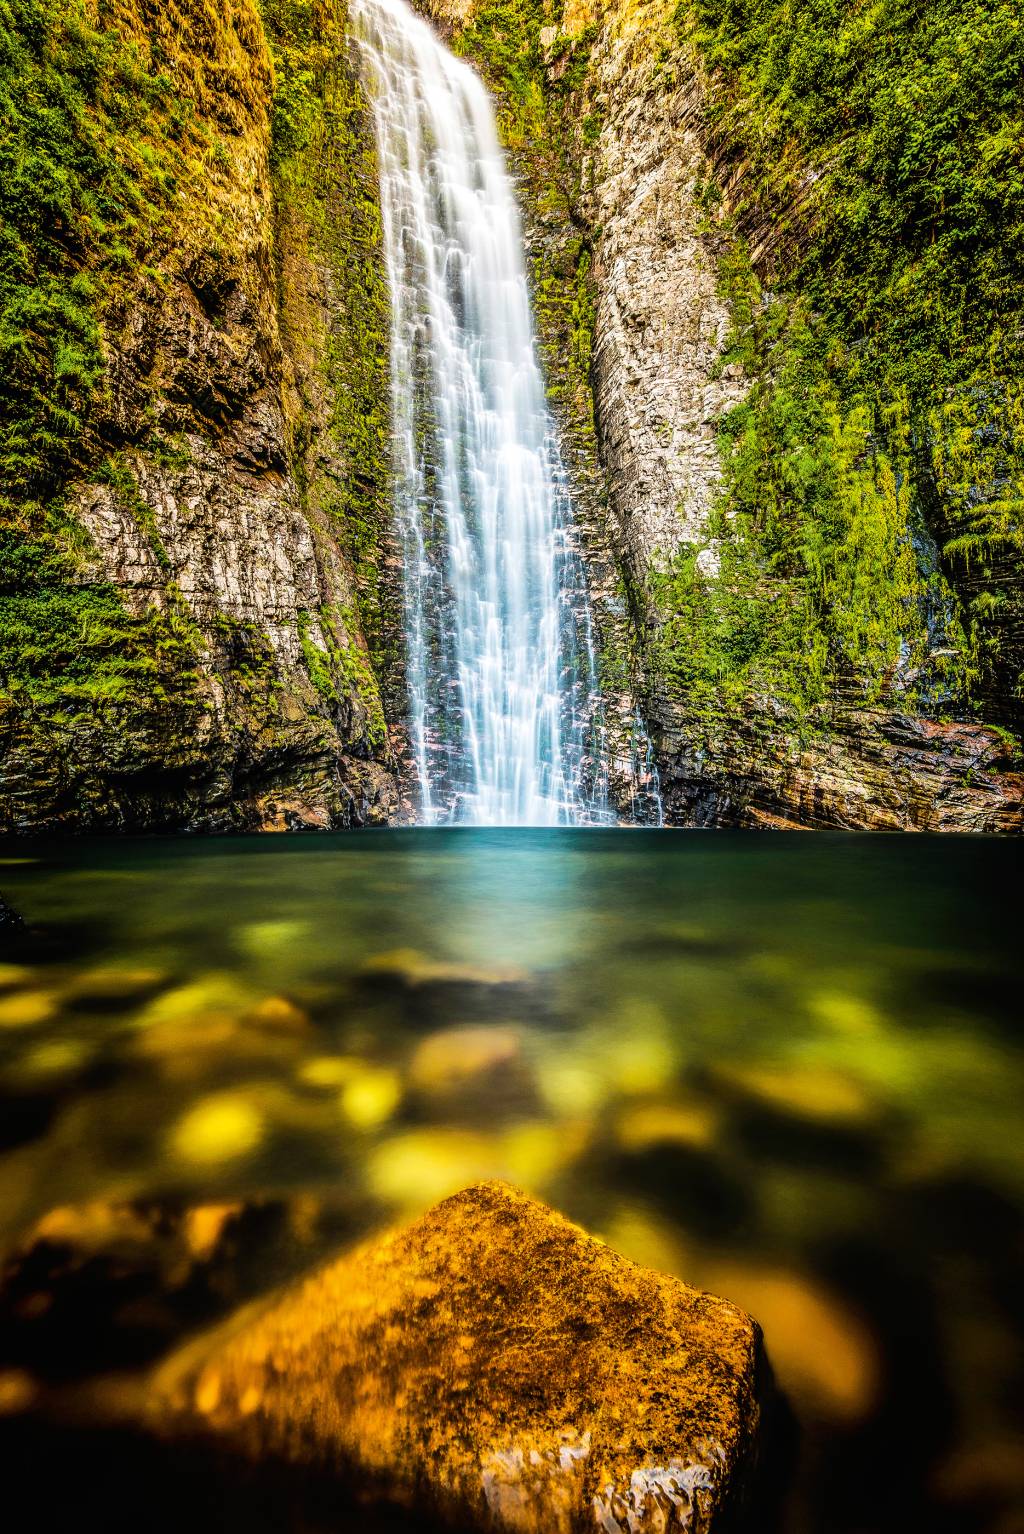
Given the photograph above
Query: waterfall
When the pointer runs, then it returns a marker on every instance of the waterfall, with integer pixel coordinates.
(504, 704)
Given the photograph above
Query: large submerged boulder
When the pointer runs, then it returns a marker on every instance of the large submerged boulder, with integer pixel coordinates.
(489, 1366)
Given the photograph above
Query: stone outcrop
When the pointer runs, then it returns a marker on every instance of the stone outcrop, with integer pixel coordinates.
(860, 770)
(490, 1366)
(660, 323)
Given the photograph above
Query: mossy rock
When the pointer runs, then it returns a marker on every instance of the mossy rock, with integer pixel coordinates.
(489, 1366)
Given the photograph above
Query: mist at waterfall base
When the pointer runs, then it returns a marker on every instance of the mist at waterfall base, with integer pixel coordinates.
(787, 1068)
(504, 704)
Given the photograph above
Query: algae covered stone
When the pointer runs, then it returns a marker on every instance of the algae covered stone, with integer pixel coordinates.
(493, 1366)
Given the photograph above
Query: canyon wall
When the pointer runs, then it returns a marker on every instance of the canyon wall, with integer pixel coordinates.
(193, 611)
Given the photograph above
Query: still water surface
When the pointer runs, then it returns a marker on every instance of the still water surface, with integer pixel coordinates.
(786, 1068)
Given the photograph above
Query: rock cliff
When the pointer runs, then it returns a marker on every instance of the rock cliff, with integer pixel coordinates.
(782, 351)
(791, 510)
(185, 605)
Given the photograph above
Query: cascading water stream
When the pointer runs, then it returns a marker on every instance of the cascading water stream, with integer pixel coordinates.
(504, 704)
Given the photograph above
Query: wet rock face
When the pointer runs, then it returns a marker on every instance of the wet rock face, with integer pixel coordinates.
(490, 1366)
(660, 392)
(651, 190)
(861, 770)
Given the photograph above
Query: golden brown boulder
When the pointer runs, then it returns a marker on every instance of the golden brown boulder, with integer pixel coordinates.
(492, 1366)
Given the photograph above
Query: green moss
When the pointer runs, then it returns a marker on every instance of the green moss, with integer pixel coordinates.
(105, 125)
(885, 145)
(340, 672)
(825, 584)
(68, 647)
(101, 128)
(326, 180)
(115, 472)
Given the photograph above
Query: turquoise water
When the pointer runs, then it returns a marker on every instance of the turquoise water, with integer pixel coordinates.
(787, 1068)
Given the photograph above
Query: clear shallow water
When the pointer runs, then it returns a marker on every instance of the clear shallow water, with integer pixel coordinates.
(788, 1068)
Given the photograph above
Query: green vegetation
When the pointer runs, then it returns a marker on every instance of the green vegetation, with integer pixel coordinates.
(71, 648)
(103, 123)
(326, 184)
(113, 471)
(101, 126)
(885, 144)
(331, 664)
(827, 582)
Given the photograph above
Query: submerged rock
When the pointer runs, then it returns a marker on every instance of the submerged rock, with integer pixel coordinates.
(493, 1366)
(430, 990)
(113, 1285)
(447, 1060)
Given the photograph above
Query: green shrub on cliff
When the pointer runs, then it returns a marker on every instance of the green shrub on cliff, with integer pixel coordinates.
(898, 129)
(94, 143)
(884, 148)
(324, 157)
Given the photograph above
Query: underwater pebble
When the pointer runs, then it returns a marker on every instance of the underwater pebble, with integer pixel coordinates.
(25, 1009)
(640, 1063)
(823, 1355)
(117, 984)
(328, 1072)
(370, 1098)
(266, 938)
(535, 1152)
(845, 1012)
(60, 1057)
(447, 1059)
(220, 1128)
(642, 1125)
(212, 995)
(810, 1092)
(15, 975)
(17, 1391)
(569, 1088)
(279, 1013)
(415, 1169)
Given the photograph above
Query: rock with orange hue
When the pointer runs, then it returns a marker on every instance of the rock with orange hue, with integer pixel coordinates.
(492, 1366)
(280, 1013)
(104, 1285)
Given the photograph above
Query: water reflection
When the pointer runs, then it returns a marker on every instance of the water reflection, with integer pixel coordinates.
(788, 1069)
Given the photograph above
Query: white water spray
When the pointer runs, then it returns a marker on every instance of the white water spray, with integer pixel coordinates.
(504, 704)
